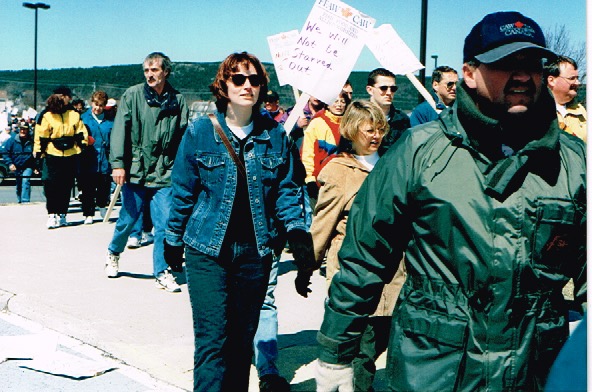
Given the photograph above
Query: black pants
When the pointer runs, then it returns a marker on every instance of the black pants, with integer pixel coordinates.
(95, 188)
(226, 295)
(58, 180)
(374, 342)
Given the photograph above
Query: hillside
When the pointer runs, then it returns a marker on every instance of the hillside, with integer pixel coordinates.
(192, 79)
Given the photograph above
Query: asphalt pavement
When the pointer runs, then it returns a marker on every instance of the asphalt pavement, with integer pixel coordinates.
(55, 279)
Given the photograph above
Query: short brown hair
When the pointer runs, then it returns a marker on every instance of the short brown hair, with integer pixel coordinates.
(100, 97)
(55, 104)
(231, 65)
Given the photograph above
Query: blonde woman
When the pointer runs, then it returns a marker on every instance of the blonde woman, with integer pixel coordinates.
(362, 129)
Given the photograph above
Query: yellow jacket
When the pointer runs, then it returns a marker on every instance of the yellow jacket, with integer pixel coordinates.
(53, 126)
(574, 121)
(320, 141)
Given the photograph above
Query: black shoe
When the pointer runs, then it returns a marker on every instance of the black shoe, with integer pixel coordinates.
(273, 383)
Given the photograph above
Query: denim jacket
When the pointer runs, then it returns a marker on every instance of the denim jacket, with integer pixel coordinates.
(204, 182)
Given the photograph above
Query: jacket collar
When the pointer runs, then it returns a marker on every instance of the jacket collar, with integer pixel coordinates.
(260, 132)
(484, 136)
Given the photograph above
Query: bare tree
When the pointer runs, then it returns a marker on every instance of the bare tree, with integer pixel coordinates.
(560, 42)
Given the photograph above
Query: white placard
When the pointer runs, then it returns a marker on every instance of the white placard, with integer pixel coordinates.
(281, 46)
(391, 51)
(327, 48)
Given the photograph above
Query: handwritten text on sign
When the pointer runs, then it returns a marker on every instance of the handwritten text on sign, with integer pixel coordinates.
(327, 49)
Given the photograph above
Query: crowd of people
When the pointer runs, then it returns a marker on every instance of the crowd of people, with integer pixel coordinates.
(445, 236)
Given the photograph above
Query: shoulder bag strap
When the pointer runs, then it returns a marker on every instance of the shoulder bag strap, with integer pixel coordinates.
(239, 165)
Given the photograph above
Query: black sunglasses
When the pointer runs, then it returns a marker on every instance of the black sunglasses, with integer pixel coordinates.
(510, 64)
(385, 88)
(450, 85)
(240, 79)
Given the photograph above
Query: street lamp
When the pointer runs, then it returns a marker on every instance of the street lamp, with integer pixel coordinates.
(35, 6)
(435, 57)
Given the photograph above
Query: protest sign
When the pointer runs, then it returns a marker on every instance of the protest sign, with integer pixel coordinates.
(391, 51)
(393, 54)
(281, 46)
(327, 48)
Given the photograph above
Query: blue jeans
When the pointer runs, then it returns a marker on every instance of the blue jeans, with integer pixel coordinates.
(134, 197)
(265, 342)
(226, 295)
(23, 185)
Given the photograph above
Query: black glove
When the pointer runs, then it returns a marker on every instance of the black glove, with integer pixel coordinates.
(302, 282)
(312, 189)
(173, 255)
(302, 249)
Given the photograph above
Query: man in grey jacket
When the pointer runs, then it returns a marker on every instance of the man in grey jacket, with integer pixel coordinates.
(149, 124)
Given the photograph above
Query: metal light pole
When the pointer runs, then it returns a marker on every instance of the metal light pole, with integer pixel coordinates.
(35, 6)
(422, 43)
(435, 57)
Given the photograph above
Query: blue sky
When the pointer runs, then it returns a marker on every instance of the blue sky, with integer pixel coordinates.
(98, 33)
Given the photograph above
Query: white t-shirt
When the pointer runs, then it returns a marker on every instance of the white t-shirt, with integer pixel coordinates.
(368, 160)
(241, 132)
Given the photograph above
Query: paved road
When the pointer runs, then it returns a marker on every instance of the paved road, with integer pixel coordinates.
(41, 375)
(55, 279)
(8, 192)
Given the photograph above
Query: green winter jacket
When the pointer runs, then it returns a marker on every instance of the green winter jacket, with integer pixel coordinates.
(489, 244)
(145, 139)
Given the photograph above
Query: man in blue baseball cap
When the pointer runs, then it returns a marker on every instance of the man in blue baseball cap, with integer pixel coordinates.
(488, 206)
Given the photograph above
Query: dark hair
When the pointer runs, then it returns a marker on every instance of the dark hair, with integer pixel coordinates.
(55, 104)
(437, 74)
(553, 68)
(63, 90)
(77, 102)
(165, 61)
(230, 65)
(343, 94)
(379, 72)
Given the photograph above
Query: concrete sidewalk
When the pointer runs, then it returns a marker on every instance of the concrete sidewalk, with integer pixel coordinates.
(55, 278)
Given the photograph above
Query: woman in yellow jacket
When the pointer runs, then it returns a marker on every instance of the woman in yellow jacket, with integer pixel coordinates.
(60, 137)
(362, 128)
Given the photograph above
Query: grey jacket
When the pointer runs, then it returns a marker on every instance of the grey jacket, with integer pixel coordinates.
(145, 139)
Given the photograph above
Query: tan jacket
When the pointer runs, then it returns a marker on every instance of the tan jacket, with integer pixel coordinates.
(340, 181)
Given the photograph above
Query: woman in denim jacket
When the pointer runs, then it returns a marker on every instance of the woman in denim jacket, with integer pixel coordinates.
(230, 223)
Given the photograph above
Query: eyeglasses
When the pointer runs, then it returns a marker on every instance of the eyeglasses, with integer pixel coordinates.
(384, 89)
(571, 79)
(239, 80)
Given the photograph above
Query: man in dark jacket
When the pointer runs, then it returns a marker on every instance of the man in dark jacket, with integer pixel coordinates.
(18, 156)
(382, 86)
(488, 204)
(149, 124)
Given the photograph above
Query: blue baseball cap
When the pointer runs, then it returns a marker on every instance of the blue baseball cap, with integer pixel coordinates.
(500, 34)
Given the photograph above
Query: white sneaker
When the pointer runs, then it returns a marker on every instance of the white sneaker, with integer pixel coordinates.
(63, 220)
(166, 281)
(52, 222)
(112, 265)
(133, 243)
(103, 211)
(88, 220)
(147, 238)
